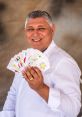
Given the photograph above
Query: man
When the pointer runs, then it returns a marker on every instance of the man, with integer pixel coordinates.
(54, 93)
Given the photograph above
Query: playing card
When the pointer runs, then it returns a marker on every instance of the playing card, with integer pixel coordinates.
(25, 54)
(39, 60)
(13, 66)
(29, 57)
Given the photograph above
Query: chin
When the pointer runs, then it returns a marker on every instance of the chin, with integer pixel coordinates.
(39, 48)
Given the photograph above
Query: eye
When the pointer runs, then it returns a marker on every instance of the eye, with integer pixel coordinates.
(41, 29)
(29, 29)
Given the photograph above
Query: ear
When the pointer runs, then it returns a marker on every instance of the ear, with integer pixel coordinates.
(25, 33)
(24, 30)
(53, 28)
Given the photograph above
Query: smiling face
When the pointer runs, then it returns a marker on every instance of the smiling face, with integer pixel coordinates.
(39, 33)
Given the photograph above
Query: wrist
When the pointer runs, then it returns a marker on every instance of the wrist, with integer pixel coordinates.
(42, 87)
(43, 91)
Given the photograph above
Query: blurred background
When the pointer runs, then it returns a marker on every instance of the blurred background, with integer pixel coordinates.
(67, 15)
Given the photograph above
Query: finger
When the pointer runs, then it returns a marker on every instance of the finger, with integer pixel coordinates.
(27, 74)
(30, 77)
(38, 71)
(34, 73)
(24, 74)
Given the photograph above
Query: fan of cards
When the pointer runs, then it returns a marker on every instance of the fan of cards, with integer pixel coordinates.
(29, 57)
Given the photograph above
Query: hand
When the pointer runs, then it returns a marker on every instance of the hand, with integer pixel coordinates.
(34, 77)
(35, 80)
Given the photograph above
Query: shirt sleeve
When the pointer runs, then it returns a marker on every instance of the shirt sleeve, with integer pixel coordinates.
(7, 114)
(66, 95)
(9, 106)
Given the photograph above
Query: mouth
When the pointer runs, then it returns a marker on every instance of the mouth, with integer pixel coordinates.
(36, 40)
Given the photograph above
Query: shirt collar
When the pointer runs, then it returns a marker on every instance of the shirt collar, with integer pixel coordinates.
(50, 48)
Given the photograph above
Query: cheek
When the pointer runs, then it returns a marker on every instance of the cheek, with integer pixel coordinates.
(27, 35)
(47, 35)
(44, 34)
(29, 38)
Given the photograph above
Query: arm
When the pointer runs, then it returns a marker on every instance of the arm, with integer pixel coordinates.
(9, 106)
(66, 95)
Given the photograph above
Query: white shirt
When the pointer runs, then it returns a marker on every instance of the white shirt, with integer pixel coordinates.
(63, 79)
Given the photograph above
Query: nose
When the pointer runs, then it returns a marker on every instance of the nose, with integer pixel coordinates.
(35, 32)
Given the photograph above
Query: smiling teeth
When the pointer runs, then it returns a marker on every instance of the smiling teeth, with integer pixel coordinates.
(36, 40)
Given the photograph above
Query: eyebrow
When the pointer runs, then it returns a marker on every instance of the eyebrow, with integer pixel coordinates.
(33, 27)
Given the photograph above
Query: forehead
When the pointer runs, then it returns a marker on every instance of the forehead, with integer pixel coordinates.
(38, 21)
